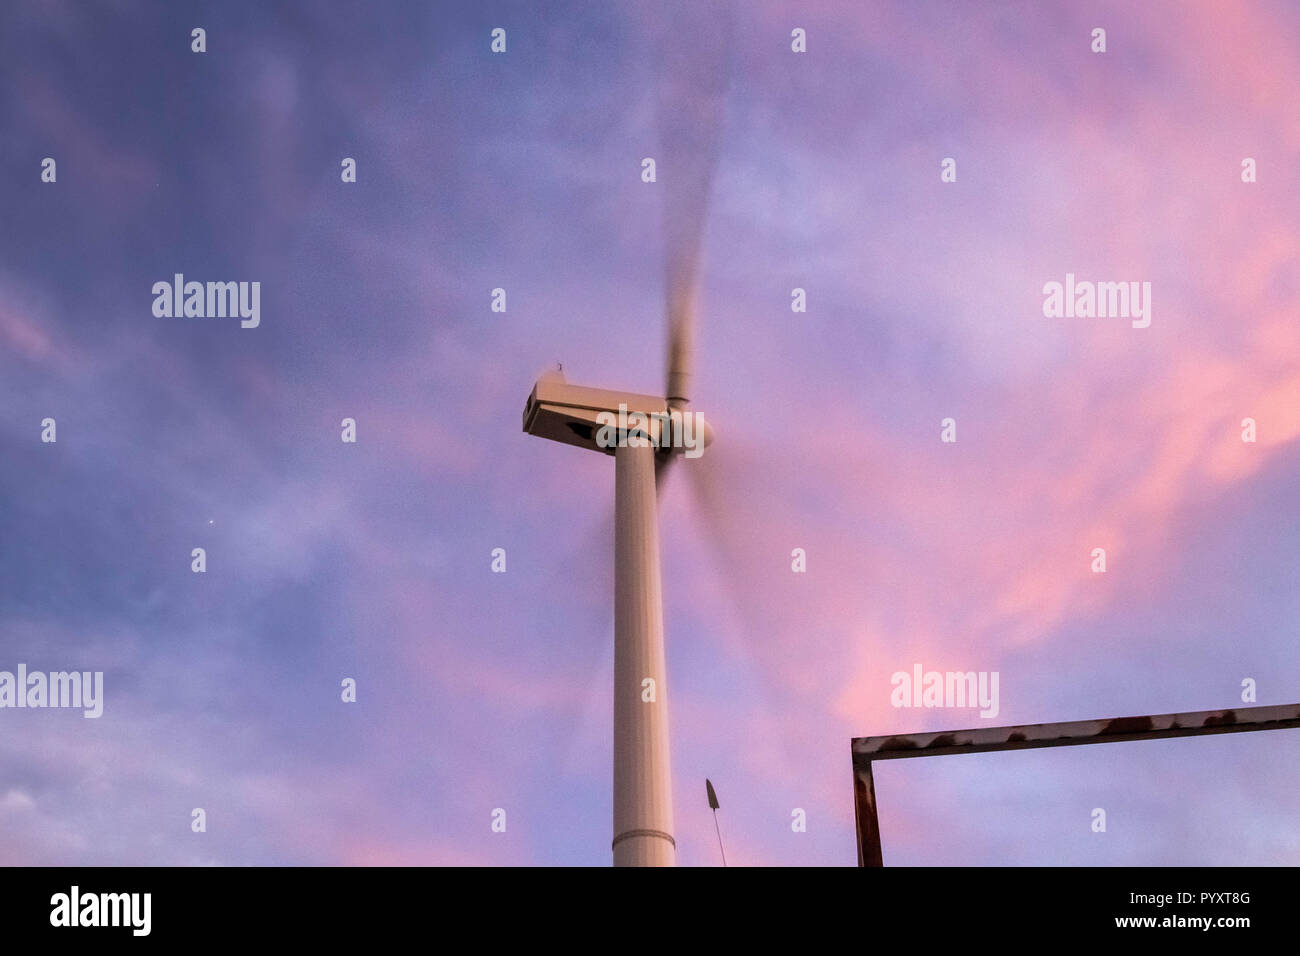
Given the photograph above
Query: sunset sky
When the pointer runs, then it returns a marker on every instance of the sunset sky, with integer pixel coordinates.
(522, 171)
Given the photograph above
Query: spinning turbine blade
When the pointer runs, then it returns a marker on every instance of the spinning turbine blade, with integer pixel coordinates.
(722, 485)
(691, 98)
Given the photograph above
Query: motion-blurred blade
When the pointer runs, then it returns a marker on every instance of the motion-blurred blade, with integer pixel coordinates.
(718, 480)
(732, 529)
(589, 646)
(694, 58)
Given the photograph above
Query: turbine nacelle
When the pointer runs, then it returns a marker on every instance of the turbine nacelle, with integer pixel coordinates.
(600, 420)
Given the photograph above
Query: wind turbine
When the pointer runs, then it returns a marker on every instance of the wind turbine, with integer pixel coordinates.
(689, 111)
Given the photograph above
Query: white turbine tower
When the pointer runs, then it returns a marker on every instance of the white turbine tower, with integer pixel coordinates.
(689, 111)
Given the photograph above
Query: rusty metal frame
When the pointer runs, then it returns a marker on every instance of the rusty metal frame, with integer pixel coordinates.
(867, 750)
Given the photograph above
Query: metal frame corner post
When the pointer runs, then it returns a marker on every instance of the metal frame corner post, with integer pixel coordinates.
(864, 810)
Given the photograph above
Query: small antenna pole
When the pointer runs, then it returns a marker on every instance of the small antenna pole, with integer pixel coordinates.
(713, 804)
